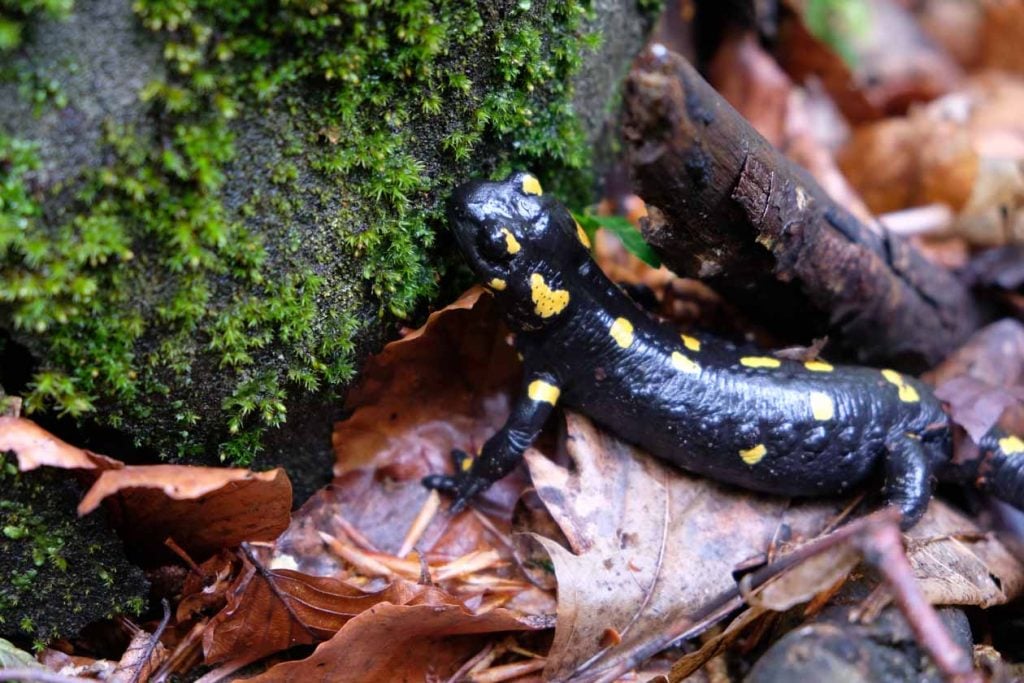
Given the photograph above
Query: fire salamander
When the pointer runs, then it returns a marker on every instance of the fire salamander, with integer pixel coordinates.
(745, 418)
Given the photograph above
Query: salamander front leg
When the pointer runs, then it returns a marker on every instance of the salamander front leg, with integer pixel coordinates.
(504, 450)
(908, 478)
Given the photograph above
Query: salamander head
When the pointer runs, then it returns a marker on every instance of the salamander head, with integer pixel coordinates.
(523, 245)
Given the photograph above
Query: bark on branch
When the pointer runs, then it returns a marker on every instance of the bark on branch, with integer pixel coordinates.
(726, 207)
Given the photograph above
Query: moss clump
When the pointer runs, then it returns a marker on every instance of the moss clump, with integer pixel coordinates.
(154, 281)
(60, 572)
(15, 13)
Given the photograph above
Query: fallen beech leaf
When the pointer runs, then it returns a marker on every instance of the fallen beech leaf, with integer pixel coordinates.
(652, 544)
(994, 213)
(807, 579)
(203, 509)
(387, 643)
(984, 379)
(893, 62)
(976, 405)
(956, 563)
(205, 588)
(913, 161)
(140, 659)
(444, 386)
(1001, 31)
(747, 76)
(271, 610)
(36, 447)
(378, 513)
(956, 26)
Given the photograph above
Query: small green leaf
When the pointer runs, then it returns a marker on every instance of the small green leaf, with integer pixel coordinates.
(625, 231)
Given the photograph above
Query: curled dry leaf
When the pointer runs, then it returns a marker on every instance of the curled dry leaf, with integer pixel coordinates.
(649, 543)
(203, 509)
(35, 447)
(420, 641)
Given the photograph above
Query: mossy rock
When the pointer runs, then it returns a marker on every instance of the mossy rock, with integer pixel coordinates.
(60, 572)
(211, 211)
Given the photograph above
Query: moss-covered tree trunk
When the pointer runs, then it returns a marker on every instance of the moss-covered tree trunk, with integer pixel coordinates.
(210, 211)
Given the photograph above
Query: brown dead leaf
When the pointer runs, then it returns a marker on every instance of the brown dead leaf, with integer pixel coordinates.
(752, 82)
(649, 544)
(905, 162)
(955, 25)
(956, 563)
(1001, 31)
(377, 513)
(272, 610)
(965, 150)
(983, 379)
(205, 587)
(203, 509)
(896, 64)
(444, 386)
(389, 642)
(36, 447)
(139, 660)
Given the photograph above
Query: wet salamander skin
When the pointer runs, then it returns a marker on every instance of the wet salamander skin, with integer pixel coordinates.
(745, 418)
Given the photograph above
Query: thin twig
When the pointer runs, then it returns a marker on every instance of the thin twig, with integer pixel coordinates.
(154, 640)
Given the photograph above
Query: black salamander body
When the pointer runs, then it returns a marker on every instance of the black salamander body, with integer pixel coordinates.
(740, 417)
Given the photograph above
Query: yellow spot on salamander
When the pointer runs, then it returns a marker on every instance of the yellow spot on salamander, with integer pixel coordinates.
(547, 302)
(684, 364)
(752, 456)
(818, 366)
(511, 243)
(582, 235)
(691, 343)
(467, 463)
(498, 284)
(531, 185)
(622, 332)
(539, 390)
(907, 393)
(760, 362)
(1011, 445)
(822, 407)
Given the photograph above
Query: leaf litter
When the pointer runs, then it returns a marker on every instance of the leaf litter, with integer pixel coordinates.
(594, 556)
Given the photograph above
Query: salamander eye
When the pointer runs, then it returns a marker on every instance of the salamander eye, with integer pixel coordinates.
(497, 245)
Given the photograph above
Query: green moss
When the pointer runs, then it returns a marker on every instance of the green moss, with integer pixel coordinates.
(61, 572)
(152, 244)
(15, 13)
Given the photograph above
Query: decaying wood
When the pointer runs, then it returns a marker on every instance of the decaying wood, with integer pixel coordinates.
(726, 207)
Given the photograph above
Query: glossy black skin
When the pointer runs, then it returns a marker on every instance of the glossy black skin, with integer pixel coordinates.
(700, 421)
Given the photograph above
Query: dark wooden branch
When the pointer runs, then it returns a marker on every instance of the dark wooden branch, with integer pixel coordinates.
(726, 207)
